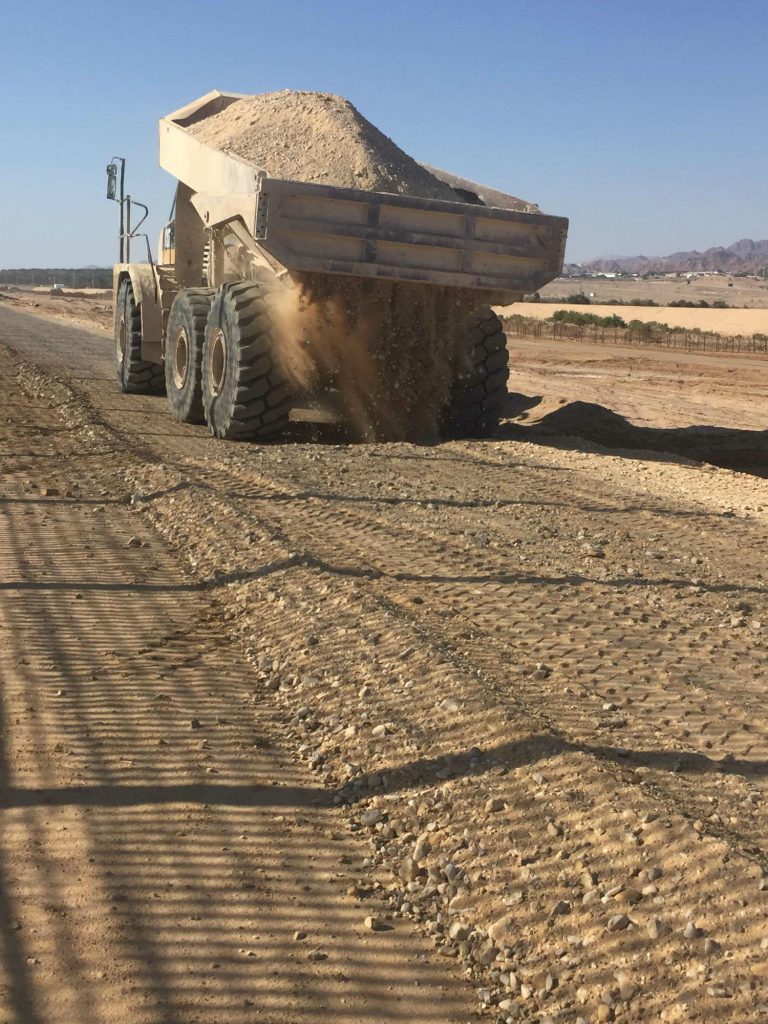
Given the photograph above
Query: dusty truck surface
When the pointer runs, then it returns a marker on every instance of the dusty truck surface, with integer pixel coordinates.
(270, 295)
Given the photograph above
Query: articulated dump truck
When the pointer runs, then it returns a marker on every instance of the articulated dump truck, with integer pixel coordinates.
(199, 322)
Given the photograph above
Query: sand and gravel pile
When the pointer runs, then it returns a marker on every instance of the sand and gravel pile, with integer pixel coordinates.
(320, 138)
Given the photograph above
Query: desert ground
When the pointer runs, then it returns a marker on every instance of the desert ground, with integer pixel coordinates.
(384, 732)
(746, 292)
(89, 307)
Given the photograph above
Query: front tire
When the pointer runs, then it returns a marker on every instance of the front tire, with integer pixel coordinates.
(480, 391)
(185, 338)
(245, 391)
(135, 375)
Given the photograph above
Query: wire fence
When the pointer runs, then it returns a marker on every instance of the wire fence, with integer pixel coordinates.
(647, 335)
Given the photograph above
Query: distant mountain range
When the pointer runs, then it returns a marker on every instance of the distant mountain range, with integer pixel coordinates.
(745, 256)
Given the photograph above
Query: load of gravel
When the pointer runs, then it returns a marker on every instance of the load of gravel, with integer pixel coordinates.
(317, 137)
(392, 348)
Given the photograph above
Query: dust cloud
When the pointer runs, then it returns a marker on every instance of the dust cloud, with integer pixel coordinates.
(391, 349)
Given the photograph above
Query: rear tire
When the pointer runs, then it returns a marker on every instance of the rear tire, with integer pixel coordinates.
(135, 375)
(479, 393)
(185, 338)
(245, 391)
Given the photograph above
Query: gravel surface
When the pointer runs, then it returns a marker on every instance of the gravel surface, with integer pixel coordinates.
(159, 844)
(531, 680)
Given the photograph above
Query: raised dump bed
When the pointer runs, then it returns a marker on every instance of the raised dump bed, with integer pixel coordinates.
(317, 228)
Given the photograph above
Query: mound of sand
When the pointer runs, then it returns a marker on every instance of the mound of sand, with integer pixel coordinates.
(317, 137)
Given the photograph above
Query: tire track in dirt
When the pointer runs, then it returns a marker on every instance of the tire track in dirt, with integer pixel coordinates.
(601, 805)
(687, 679)
(689, 708)
(570, 809)
(158, 849)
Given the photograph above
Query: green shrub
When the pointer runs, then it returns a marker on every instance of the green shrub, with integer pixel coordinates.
(572, 316)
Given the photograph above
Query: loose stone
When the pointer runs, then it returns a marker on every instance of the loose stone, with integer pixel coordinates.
(371, 817)
(561, 907)
(618, 923)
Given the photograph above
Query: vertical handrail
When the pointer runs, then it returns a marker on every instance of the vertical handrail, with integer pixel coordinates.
(121, 202)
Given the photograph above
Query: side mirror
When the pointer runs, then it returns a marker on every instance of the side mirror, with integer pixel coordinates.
(111, 181)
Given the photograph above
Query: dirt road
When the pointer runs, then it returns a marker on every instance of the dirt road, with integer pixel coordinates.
(159, 849)
(509, 697)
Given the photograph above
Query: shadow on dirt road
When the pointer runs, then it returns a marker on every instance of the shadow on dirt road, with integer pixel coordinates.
(743, 450)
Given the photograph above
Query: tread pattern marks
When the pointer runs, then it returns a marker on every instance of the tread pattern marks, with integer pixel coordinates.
(477, 399)
(191, 308)
(135, 375)
(679, 698)
(255, 399)
(670, 680)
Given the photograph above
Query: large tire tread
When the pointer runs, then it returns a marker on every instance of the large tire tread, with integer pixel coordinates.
(135, 376)
(254, 399)
(189, 311)
(478, 396)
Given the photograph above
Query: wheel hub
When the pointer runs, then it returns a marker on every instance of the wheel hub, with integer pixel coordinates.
(121, 339)
(180, 363)
(218, 361)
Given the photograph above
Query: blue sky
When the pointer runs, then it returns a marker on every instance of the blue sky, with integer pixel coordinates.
(643, 122)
